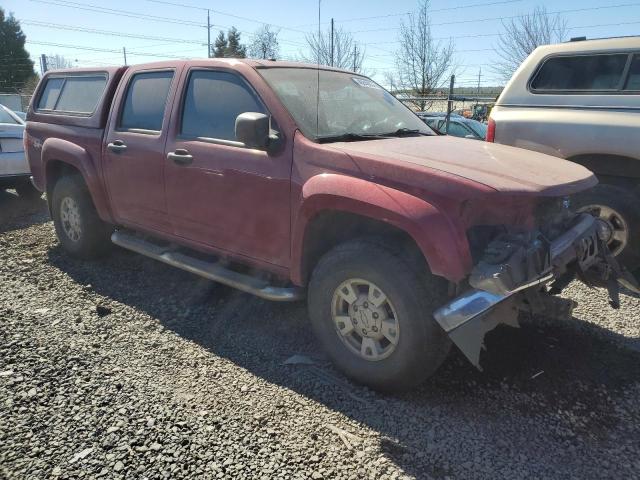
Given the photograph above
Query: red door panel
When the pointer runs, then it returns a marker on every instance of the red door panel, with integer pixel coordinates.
(134, 155)
(225, 196)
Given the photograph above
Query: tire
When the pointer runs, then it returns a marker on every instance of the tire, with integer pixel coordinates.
(84, 235)
(625, 205)
(28, 191)
(421, 344)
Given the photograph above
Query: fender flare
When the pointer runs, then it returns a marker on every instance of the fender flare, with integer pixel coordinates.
(444, 247)
(59, 150)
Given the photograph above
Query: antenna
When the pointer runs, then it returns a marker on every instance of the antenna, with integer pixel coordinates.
(318, 91)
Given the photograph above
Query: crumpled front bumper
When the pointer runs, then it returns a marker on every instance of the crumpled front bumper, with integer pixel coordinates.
(498, 288)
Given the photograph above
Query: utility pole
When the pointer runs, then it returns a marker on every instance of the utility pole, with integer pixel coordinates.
(43, 63)
(355, 56)
(479, 77)
(332, 42)
(124, 53)
(450, 102)
(208, 34)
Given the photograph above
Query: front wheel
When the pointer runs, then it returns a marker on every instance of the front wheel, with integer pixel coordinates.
(372, 310)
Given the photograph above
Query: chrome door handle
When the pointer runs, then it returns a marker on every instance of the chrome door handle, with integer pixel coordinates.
(180, 157)
(117, 146)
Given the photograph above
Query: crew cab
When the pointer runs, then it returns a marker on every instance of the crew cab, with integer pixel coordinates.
(287, 180)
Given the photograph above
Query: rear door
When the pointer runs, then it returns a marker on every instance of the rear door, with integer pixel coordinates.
(220, 193)
(134, 148)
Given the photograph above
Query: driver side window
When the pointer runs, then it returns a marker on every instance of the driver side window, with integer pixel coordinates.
(212, 102)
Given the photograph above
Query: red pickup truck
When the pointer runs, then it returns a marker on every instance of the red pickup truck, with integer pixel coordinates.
(285, 180)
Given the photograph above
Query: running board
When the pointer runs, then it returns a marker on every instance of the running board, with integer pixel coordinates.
(209, 270)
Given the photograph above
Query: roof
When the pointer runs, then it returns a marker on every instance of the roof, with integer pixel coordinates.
(604, 44)
(254, 63)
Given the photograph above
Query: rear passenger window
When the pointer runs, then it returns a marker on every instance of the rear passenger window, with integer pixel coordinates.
(73, 94)
(212, 102)
(145, 101)
(633, 83)
(581, 73)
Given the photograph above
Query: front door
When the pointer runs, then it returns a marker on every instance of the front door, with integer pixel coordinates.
(220, 193)
(133, 155)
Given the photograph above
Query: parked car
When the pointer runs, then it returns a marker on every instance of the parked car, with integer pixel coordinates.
(242, 172)
(581, 101)
(459, 126)
(14, 168)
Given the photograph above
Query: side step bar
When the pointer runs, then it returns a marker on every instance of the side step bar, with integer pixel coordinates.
(212, 271)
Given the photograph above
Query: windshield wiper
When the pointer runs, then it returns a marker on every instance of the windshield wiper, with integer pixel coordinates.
(405, 131)
(354, 137)
(350, 137)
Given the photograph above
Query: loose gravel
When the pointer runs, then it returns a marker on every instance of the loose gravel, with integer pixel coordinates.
(127, 368)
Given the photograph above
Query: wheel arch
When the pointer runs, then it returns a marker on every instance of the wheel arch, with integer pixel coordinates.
(60, 158)
(612, 169)
(336, 208)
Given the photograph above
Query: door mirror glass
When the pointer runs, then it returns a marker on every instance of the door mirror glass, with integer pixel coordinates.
(252, 129)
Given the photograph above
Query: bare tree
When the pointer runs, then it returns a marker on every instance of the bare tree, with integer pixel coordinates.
(391, 81)
(523, 34)
(422, 63)
(347, 53)
(55, 62)
(265, 43)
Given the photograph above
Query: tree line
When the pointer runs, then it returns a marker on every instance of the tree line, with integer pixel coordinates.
(422, 63)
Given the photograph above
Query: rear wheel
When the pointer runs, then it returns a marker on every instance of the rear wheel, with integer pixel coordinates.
(372, 311)
(619, 209)
(79, 228)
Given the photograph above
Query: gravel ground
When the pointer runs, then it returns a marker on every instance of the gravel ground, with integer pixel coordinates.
(126, 368)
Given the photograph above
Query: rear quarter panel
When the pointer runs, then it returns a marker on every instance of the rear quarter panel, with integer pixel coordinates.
(566, 132)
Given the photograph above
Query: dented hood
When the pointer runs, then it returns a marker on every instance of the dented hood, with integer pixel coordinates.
(503, 168)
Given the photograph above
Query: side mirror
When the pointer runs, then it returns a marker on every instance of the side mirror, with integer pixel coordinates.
(252, 129)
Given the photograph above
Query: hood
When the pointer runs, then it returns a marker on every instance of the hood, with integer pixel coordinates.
(500, 167)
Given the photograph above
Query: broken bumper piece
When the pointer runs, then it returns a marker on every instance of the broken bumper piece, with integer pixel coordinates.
(523, 264)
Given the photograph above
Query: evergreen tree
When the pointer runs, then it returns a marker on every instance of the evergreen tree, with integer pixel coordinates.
(235, 48)
(16, 68)
(220, 46)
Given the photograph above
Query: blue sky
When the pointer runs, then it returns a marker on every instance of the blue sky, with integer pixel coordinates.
(473, 24)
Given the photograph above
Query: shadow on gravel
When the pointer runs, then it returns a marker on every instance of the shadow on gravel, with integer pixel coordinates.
(533, 371)
(18, 212)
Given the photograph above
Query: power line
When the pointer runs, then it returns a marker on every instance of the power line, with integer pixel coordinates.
(248, 19)
(477, 20)
(74, 28)
(121, 13)
(130, 35)
(459, 7)
(481, 35)
(107, 50)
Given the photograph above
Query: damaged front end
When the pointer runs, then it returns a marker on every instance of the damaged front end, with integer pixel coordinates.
(519, 270)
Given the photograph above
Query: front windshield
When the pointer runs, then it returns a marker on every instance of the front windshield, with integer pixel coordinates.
(349, 104)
